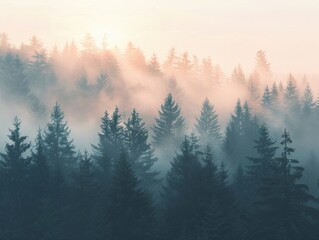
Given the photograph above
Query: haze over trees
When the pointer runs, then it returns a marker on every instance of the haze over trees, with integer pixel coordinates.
(171, 157)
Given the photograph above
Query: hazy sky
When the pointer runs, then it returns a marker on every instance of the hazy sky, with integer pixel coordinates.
(230, 31)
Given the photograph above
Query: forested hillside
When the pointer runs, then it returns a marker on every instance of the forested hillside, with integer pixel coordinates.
(172, 149)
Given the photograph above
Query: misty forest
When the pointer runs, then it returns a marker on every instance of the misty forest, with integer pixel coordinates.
(175, 149)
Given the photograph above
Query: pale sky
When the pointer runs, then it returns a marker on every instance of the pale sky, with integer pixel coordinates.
(230, 31)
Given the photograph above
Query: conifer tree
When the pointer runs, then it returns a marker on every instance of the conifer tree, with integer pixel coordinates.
(15, 201)
(153, 66)
(291, 98)
(184, 64)
(207, 124)
(253, 87)
(131, 213)
(58, 147)
(267, 98)
(140, 153)
(169, 125)
(110, 140)
(234, 131)
(275, 94)
(261, 165)
(189, 190)
(238, 76)
(262, 65)
(170, 64)
(40, 168)
(307, 102)
(84, 210)
(283, 208)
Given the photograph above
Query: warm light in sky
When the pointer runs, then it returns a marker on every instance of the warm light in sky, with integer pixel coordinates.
(230, 31)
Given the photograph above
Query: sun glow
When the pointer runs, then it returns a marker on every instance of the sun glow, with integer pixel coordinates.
(105, 38)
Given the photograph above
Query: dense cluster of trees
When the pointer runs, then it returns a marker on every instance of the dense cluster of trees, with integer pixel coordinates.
(244, 182)
(48, 190)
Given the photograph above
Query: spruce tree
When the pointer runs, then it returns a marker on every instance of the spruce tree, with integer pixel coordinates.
(207, 124)
(308, 104)
(101, 151)
(275, 95)
(140, 153)
(153, 66)
(169, 126)
(131, 212)
(238, 76)
(253, 86)
(262, 65)
(291, 98)
(40, 168)
(58, 147)
(83, 209)
(185, 195)
(234, 132)
(261, 165)
(15, 202)
(267, 98)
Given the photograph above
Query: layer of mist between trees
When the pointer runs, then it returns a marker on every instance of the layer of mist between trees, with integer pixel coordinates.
(166, 132)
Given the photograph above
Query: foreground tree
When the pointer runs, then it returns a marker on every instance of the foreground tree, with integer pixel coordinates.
(131, 213)
(188, 191)
(15, 198)
(282, 208)
(140, 153)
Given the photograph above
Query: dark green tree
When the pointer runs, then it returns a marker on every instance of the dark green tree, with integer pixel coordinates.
(84, 207)
(15, 201)
(131, 211)
(140, 153)
(169, 126)
(187, 194)
(58, 147)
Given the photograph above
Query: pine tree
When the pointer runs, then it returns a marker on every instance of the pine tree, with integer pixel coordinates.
(262, 65)
(221, 218)
(170, 124)
(140, 153)
(267, 98)
(110, 140)
(185, 195)
(84, 197)
(170, 64)
(59, 149)
(291, 99)
(253, 87)
(153, 66)
(307, 102)
(238, 76)
(234, 132)
(275, 94)
(40, 168)
(207, 124)
(15, 198)
(283, 211)
(101, 151)
(184, 65)
(261, 165)
(131, 212)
